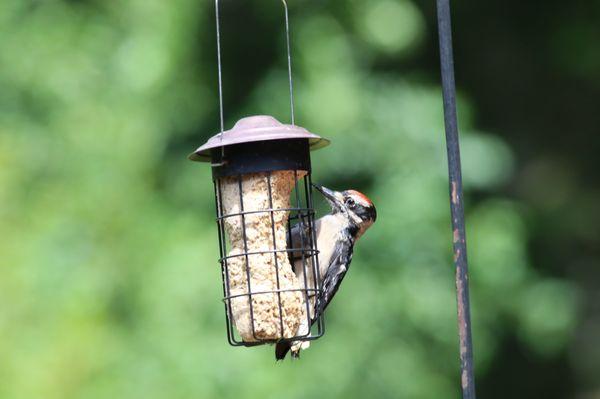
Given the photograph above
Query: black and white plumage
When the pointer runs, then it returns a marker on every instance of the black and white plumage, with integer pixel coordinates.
(352, 213)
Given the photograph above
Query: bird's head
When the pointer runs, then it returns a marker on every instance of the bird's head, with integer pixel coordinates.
(356, 207)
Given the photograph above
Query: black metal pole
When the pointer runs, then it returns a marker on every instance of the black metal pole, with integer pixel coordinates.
(456, 200)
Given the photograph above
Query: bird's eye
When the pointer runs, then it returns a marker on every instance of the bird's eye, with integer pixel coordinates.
(350, 203)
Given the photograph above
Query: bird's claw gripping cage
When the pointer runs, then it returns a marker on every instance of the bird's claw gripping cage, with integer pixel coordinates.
(265, 217)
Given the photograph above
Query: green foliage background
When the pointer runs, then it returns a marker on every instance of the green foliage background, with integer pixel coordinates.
(109, 285)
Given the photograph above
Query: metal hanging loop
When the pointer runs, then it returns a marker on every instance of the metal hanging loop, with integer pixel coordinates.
(289, 60)
(220, 71)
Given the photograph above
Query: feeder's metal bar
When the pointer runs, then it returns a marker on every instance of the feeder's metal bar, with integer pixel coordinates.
(246, 254)
(270, 251)
(222, 261)
(274, 341)
(315, 257)
(303, 259)
(294, 217)
(275, 253)
(290, 242)
(224, 264)
(269, 292)
(264, 211)
(300, 338)
(289, 238)
(456, 199)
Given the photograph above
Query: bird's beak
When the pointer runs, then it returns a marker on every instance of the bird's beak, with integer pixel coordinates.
(335, 198)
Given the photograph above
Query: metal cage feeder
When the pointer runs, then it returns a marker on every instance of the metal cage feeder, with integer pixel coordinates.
(261, 173)
(268, 254)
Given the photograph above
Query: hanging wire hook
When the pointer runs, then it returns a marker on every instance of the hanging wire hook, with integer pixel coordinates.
(289, 59)
(217, 20)
(220, 78)
(220, 70)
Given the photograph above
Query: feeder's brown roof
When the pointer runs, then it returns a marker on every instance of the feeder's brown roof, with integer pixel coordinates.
(257, 128)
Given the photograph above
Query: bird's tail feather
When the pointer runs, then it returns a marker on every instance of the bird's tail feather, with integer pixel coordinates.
(281, 350)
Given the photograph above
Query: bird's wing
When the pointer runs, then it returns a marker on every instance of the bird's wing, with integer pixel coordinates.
(298, 238)
(338, 266)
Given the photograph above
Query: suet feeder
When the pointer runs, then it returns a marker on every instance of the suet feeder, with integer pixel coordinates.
(265, 216)
(261, 172)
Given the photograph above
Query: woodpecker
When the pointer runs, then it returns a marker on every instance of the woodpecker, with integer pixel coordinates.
(352, 213)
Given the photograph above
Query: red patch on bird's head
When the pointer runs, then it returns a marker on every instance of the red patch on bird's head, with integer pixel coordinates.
(360, 197)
